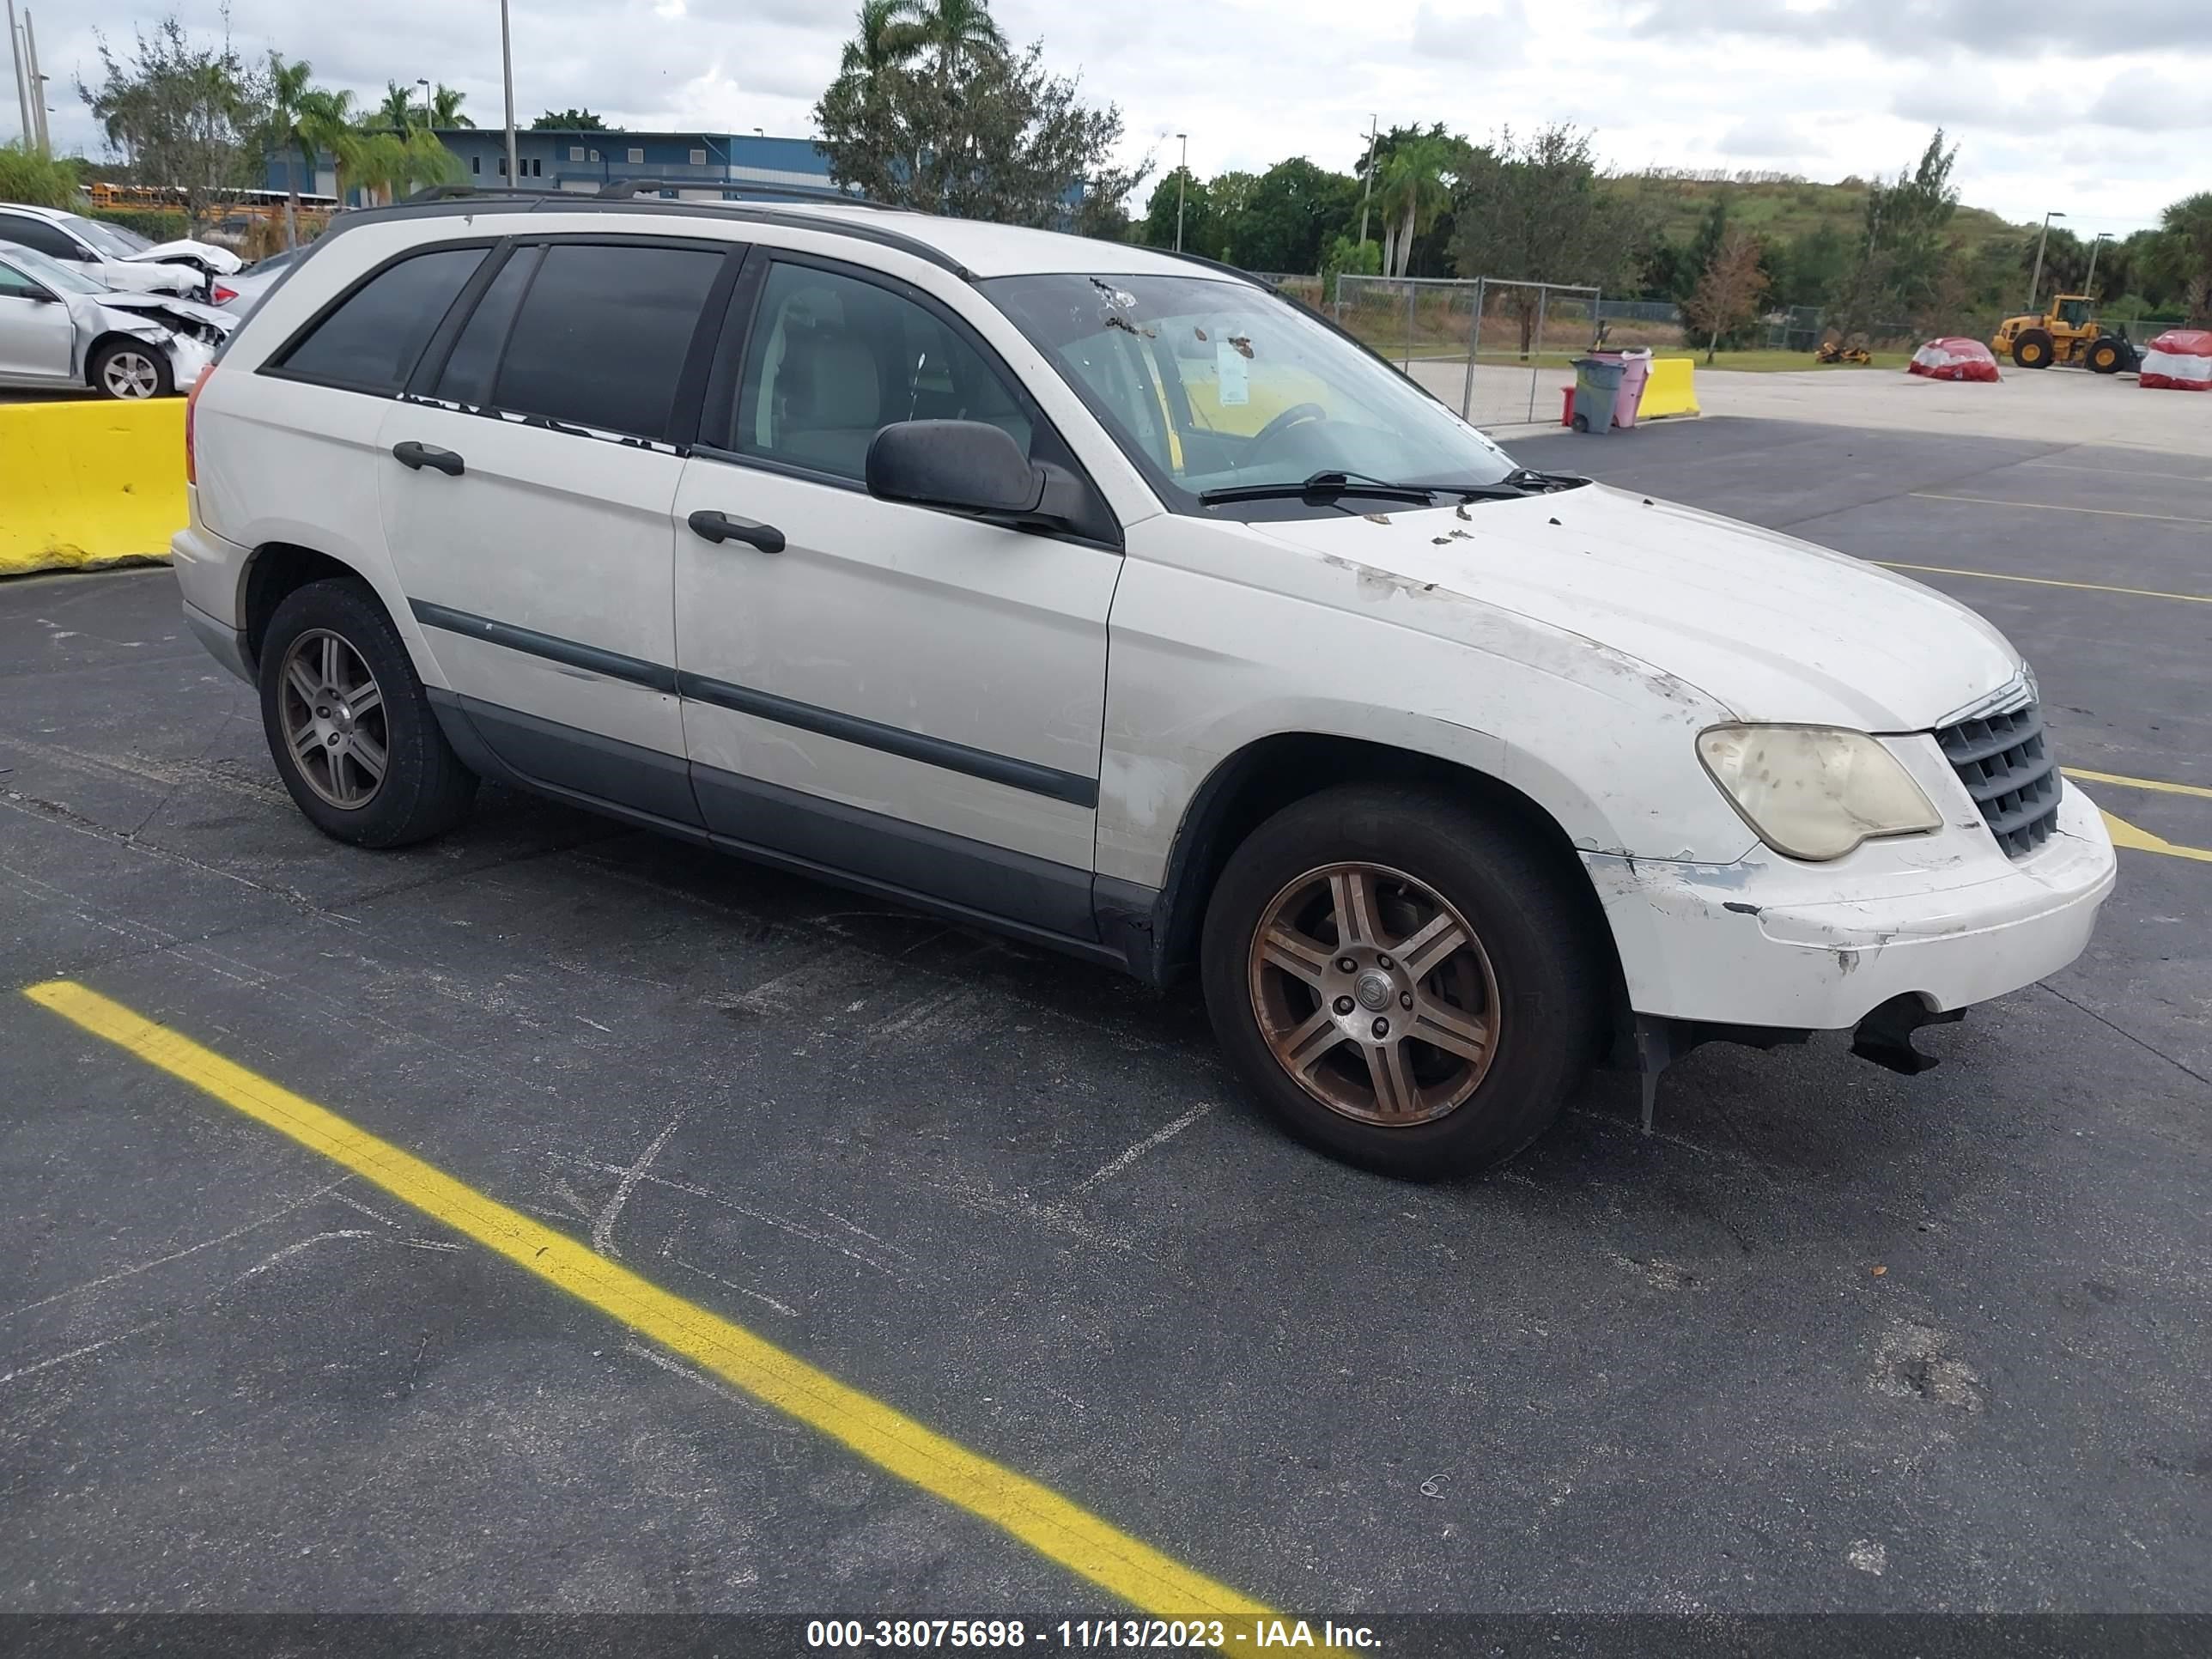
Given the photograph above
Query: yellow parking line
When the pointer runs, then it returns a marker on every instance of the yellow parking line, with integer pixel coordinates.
(2137, 783)
(1041, 1518)
(2124, 834)
(2043, 581)
(2048, 507)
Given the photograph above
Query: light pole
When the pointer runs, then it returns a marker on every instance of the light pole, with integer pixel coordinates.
(425, 85)
(2035, 282)
(1182, 177)
(1374, 130)
(2089, 282)
(22, 95)
(507, 74)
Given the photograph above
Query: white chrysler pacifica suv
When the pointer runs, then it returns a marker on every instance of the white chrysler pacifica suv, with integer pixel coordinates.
(1108, 599)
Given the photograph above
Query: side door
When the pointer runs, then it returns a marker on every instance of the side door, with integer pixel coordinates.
(528, 474)
(36, 335)
(896, 693)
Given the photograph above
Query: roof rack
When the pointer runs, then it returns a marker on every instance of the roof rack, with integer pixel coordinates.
(457, 199)
(620, 189)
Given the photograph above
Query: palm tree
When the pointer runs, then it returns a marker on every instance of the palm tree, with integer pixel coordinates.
(1413, 192)
(954, 30)
(397, 113)
(287, 84)
(326, 123)
(446, 107)
(887, 37)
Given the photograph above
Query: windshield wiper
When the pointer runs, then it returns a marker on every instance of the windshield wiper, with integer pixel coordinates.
(1530, 479)
(1320, 486)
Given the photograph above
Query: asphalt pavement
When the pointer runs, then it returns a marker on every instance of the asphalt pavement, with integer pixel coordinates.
(1830, 1339)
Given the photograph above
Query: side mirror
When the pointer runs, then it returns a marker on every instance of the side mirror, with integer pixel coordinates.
(968, 466)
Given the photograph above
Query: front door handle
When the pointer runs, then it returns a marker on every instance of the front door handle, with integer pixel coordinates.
(721, 527)
(414, 457)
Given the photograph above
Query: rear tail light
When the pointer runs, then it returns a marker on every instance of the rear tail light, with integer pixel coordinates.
(191, 410)
(224, 296)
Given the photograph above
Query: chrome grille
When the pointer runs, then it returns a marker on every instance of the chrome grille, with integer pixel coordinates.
(2007, 768)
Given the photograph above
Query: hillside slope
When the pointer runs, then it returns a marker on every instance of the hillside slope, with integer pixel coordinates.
(1679, 205)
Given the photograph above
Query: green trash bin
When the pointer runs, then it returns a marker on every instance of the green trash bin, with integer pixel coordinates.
(1597, 385)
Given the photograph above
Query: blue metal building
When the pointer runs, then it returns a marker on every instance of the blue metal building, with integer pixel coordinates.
(708, 165)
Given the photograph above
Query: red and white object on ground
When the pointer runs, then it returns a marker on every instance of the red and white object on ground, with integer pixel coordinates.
(1953, 358)
(2179, 359)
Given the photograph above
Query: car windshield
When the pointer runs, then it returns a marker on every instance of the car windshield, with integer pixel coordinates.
(1211, 385)
(50, 273)
(112, 239)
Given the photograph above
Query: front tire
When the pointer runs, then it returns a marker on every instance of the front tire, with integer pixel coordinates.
(2033, 349)
(349, 723)
(131, 370)
(1404, 983)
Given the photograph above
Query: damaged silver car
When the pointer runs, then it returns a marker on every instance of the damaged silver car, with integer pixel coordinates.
(59, 329)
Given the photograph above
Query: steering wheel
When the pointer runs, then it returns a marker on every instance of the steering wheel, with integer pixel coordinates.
(1294, 415)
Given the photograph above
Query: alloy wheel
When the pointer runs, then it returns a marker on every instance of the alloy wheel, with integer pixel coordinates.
(130, 374)
(1374, 993)
(334, 719)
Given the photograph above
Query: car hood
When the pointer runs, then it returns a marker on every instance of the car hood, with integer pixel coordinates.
(128, 276)
(1772, 628)
(220, 260)
(169, 310)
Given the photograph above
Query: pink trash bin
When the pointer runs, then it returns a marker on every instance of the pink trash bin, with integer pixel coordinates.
(1635, 369)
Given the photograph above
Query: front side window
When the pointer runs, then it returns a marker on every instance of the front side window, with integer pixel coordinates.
(602, 335)
(15, 285)
(1210, 384)
(370, 340)
(112, 239)
(833, 360)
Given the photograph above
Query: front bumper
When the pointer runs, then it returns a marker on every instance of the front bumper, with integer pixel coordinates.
(1774, 942)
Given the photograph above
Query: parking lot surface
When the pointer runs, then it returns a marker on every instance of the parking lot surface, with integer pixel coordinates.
(1831, 1338)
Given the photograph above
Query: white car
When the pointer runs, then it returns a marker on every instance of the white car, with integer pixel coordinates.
(60, 329)
(114, 256)
(1104, 598)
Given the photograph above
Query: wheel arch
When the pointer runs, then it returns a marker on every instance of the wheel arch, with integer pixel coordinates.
(1269, 773)
(111, 336)
(273, 571)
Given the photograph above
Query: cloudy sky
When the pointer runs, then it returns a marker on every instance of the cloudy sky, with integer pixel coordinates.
(2102, 112)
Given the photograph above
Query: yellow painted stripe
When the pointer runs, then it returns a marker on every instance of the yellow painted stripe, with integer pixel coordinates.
(2044, 581)
(1041, 1518)
(2050, 506)
(2124, 834)
(2196, 789)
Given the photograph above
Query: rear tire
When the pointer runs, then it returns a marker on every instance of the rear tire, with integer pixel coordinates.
(349, 723)
(1513, 1008)
(2033, 349)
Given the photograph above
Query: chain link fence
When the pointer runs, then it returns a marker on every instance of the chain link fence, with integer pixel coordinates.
(1496, 350)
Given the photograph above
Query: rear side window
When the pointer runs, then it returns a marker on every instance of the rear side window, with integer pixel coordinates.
(604, 333)
(468, 374)
(370, 343)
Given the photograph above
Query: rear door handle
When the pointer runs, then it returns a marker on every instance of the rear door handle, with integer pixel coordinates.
(414, 457)
(721, 527)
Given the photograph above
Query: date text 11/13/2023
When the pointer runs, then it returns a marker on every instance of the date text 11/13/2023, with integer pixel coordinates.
(998, 1635)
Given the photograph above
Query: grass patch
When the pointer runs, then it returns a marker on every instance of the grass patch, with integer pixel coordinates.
(1779, 362)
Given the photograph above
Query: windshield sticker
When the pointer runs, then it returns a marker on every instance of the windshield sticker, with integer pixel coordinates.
(1232, 377)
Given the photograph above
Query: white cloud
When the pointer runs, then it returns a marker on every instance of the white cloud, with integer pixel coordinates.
(1822, 87)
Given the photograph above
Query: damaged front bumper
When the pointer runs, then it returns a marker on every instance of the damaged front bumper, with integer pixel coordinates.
(1773, 942)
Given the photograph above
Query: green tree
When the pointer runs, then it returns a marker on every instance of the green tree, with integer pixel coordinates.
(1295, 212)
(288, 82)
(1538, 212)
(2181, 257)
(968, 129)
(955, 33)
(1412, 189)
(1704, 247)
(397, 113)
(326, 128)
(567, 120)
(1899, 265)
(181, 112)
(446, 107)
(1202, 232)
(1726, 298)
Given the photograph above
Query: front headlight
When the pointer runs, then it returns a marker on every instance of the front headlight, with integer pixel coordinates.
(1815, 792)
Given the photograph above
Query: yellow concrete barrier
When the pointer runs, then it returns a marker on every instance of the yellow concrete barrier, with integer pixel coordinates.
(89, 483)
(1669, 391)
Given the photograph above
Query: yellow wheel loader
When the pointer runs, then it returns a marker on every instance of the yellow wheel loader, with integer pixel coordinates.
(2066, 333)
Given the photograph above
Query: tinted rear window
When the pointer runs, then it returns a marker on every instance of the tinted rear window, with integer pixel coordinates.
(604, 333)
(468, 375)
(370, 343)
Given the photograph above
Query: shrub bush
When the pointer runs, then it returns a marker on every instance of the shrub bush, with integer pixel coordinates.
(155, 224)
(37, 181)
